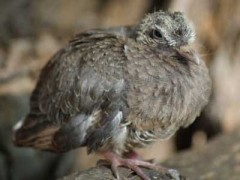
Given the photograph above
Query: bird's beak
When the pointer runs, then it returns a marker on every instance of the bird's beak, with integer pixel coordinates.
(189, 54)
(195, 59)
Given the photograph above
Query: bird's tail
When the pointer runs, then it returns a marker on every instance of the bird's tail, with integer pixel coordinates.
(30, 132)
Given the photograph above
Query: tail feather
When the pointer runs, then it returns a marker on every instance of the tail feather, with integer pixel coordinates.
(37, 134)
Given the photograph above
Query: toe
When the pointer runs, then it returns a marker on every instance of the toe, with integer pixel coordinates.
(114, 168)
(145, 164)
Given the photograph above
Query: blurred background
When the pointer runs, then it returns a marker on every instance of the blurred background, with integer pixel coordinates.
(32, 31)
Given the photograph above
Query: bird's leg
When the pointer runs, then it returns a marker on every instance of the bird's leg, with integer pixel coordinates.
(132, 163)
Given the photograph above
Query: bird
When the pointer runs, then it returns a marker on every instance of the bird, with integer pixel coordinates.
(116, 89)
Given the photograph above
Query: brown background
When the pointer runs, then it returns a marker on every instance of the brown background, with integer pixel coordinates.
(32, 31)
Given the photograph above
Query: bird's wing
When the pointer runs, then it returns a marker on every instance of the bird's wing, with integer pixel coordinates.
(81, 78)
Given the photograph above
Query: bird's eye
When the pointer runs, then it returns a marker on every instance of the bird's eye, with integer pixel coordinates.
(156, 34)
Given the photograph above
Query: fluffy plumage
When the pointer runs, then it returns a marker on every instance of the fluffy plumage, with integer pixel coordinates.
(119, 88)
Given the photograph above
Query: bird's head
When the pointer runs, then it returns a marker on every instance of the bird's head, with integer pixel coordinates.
(165, 29)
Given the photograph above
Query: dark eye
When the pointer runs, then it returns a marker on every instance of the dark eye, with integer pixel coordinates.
(155, 34)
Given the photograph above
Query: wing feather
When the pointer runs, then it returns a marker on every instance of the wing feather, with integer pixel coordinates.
(73, 82)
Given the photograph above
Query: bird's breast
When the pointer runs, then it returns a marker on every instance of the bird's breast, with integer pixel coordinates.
(165, 94)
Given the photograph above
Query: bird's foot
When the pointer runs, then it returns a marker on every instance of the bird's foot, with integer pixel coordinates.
(115, 161)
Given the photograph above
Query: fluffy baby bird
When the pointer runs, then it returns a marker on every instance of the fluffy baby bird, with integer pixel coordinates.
(116, 89)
